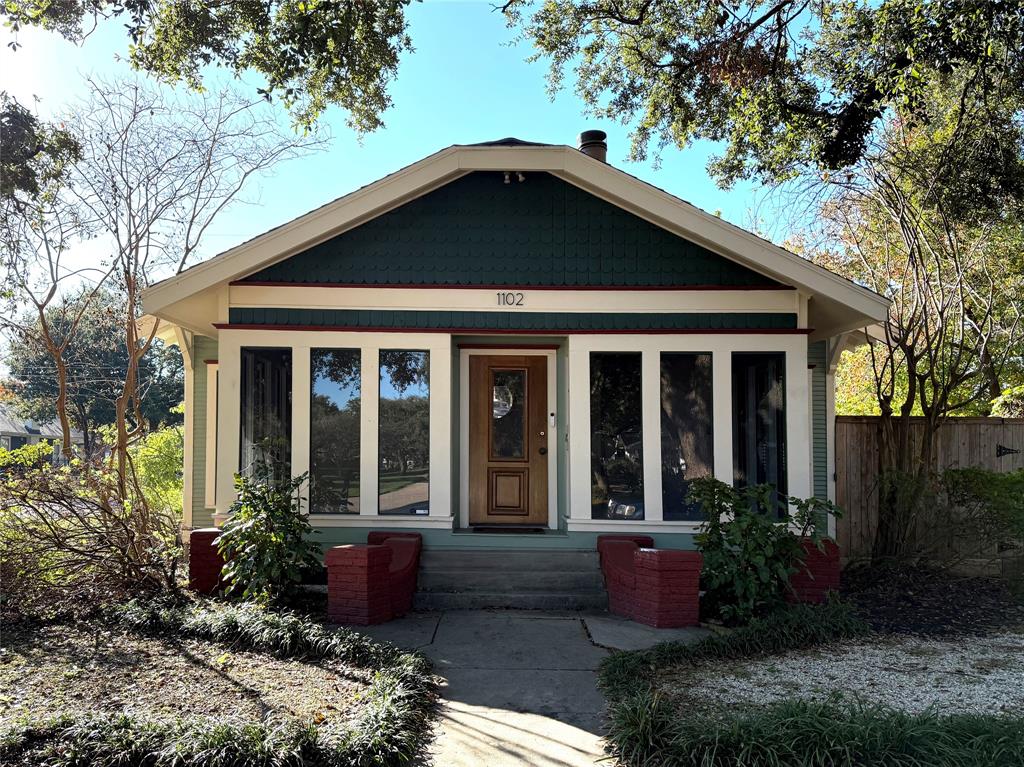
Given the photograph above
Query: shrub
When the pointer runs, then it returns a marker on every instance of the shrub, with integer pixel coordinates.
(75, 537)
(749, 548)
(644, 730)
(265, 542)
(158, 459)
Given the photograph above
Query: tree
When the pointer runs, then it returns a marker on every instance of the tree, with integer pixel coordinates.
(910, 229)
(311, 53)
(33, 153)
(97, 362)
(790, 86)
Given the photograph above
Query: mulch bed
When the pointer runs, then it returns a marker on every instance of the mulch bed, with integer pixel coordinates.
(921, 602)
(60, 668)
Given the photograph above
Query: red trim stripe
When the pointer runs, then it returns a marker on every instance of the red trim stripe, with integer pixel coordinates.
(442, 286)
(514, 332)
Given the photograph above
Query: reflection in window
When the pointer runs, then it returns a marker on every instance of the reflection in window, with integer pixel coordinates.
(759, 420)
(508, 436)
(404, 446)
(334, 431)
(686, 430)
(266, 397)
(616, 436)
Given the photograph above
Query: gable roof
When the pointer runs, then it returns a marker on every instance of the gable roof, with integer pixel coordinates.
(836, 304)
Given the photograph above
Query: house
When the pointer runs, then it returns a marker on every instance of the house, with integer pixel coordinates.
(16, 432)
(508, 345)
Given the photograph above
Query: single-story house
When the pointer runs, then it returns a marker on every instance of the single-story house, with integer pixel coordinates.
(16, 432)
(508, 345)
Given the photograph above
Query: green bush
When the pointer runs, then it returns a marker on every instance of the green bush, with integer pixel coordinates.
(645, 730)
(265, 542)
(157, 460)
(390, 728)
(795, 627)
(750, 549)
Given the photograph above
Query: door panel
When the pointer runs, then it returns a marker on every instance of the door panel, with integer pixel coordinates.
(508, 440)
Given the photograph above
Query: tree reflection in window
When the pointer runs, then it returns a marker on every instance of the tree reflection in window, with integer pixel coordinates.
(404, 432)
(266, 410)
(508, 418)
(616, 436)
(334, 431)
(687, 446)
(759, 420)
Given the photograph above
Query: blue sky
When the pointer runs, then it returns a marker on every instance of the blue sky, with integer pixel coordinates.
(464, 83)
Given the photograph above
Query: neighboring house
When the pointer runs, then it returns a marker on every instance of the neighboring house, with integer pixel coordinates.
(508, 338)
(16, 432)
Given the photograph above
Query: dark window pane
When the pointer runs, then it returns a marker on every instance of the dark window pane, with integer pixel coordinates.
(266, 397)
(334, 431)
(616, 436)
(404, 446)
(687, 444)
(508, 438)
(759, 420)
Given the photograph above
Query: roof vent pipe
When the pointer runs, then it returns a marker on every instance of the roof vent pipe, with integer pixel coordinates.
(593, 144)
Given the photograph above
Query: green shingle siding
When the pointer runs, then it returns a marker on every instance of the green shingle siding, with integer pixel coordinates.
(478, 230)
(501, 321)
(816, 355)
(203, 349)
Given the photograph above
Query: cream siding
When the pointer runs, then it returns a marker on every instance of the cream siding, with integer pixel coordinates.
(203, 349)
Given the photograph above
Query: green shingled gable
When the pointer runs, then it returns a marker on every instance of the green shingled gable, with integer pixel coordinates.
(478, 230)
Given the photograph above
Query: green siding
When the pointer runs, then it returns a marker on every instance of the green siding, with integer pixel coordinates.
(478, 230)
(203, 349)
(561, 322)
(816, 356)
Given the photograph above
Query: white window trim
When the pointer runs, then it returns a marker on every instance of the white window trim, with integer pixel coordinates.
(553, 437)
(210, 476)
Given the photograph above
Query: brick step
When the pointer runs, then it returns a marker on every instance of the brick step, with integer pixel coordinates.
(509, 560)
(426, 600)
(506, 581)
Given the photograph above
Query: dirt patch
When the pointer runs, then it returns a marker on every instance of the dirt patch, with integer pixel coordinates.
(911, 674)
(50, 670)
(922, 602)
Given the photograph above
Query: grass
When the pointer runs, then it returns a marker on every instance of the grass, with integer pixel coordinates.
(647, 731)
(390, 728)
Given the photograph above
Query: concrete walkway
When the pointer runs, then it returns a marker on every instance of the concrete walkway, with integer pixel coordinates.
(520, 686)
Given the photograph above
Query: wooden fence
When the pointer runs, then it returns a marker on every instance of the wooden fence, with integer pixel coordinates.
(961, 443)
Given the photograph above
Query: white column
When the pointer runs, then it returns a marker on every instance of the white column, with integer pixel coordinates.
(369, 394)
(188, 447)
(579, 430)
(650, 400)
(210, 436)
(721, 408)
(441, 431)
(301, 384)
(228, 415)
(798, 424)
(830, 443)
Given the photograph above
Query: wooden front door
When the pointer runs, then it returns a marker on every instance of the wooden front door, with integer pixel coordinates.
(508, 440)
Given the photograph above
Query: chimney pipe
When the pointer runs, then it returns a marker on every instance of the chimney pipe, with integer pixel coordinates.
(592, 143)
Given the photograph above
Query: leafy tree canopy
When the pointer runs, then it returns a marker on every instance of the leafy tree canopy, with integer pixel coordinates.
(788, 85)
(32, 153)
(311, 53)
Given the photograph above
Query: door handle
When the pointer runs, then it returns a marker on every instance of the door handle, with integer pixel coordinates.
(543, 451)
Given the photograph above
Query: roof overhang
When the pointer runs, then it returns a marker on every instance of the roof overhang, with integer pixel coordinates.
(835, 305)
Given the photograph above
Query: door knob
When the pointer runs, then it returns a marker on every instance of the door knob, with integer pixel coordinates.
(543, 451)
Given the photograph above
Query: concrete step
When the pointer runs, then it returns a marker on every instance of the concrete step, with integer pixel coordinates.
(505, 581)
(559, 600)
(511, 560)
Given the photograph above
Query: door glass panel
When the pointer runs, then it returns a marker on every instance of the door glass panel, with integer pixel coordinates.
(334, 431)
(266, 404)
(616, 436)
(686, 430)
(759, 420)
(508, 414)
(404, 437)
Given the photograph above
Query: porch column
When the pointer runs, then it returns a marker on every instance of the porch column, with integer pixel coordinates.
(798, 422)
(721, 410)
(441, 430)
(228, 420)
(579, 430)
(301, 387)
(650, 407)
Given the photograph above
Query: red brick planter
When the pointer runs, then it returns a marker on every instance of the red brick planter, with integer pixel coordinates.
(819, 574)
(204, 561)
(372, 583)
(657, 587)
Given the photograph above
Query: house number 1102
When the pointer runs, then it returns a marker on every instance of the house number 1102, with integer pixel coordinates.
(510, 299)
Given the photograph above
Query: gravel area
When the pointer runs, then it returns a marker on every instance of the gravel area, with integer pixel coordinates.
(49, 670)
(970, 675)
